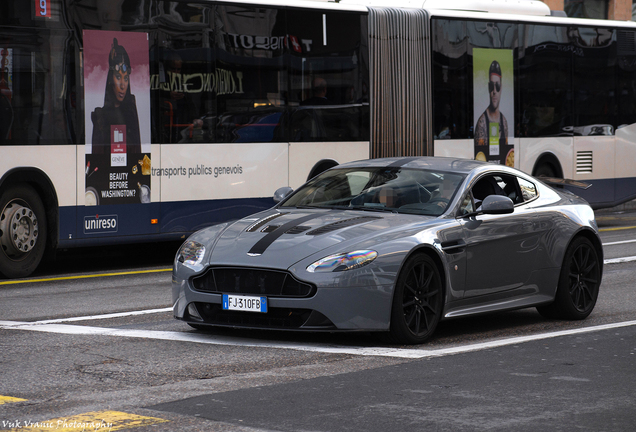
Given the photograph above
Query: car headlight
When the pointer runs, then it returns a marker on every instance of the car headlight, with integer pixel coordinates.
(191, 253)
(343, 261)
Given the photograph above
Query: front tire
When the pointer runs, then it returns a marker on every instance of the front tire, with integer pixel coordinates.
(417, 301)
(22, 231)
(579, 283)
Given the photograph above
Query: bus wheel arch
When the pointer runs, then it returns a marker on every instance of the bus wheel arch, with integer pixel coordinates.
(321, 166)
(547, 165)
(28, 222)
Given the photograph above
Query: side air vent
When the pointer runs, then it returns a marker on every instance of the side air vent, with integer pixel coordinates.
(255, 226)
(342, 224)
(584, 161)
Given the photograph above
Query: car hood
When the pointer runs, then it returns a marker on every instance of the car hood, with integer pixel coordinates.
(280, 238)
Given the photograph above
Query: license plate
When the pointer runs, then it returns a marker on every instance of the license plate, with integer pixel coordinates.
(244, 303)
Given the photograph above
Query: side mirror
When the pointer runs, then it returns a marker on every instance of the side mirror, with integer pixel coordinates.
(497, 204)
(282, 193)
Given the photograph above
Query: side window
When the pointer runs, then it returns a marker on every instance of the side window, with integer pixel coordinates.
(495, 184)
(528, 190)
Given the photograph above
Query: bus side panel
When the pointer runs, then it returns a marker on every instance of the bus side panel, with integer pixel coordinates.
(531, 149)
(56, 162)
(625, 172)
(304, 156)
(594, 163)
(238, 174)
(464, 149)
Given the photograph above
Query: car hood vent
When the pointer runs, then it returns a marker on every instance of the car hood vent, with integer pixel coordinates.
(342, 224)
(270, 228)
(298, 229)
(255, 226)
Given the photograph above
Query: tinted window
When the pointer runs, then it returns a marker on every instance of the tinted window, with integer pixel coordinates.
(545, 71)
(328, 83)
(37, 87)
(183, 71)
(593, 80)
(250, 42)
(452, 81)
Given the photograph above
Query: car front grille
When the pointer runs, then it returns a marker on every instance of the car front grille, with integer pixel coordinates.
(237, 280)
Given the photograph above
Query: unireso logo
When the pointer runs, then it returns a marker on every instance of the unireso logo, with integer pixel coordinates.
(100, 224)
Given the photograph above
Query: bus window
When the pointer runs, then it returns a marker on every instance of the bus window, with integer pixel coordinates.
(452, 80)
(593, 80)
(328, 92)
(252, 81)
(545, 90)
(32, 99)
(182, 70)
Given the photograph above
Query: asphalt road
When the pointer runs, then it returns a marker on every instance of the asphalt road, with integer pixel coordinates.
(90, 339)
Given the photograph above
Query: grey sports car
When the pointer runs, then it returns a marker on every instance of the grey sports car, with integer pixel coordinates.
(395, 245)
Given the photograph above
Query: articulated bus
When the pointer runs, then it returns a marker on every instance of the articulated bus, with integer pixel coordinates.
(145, 120)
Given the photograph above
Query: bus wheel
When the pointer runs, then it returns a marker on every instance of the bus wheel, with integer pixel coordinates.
(22, 231)
(545, 170)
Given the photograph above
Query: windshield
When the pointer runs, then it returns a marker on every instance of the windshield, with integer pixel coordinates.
(392, 189)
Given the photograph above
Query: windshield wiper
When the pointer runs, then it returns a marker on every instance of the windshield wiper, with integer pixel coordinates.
(374, 209)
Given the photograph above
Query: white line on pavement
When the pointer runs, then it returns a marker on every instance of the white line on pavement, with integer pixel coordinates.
(333, 349)
(619, 260)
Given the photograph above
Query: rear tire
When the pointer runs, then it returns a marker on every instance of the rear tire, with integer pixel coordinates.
(579, 283)
(417, 301)
(22, 231)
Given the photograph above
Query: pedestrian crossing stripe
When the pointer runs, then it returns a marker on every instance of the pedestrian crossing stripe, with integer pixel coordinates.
(92, 421)
(9, 399)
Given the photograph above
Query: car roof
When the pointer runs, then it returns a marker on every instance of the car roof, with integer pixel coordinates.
(461, 166)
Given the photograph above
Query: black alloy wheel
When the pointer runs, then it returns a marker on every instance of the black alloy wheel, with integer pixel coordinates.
(579, 283)
(417, 301)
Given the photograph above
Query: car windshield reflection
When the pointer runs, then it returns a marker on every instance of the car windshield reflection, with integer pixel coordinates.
(399, 190)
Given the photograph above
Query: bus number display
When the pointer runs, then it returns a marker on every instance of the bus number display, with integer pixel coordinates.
(43, 8)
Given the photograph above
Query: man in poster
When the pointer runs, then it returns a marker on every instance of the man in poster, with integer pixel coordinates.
(492, 127)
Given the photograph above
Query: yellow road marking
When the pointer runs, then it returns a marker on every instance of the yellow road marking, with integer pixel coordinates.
(9, 399)
(617, 228)
(92, 421)
(11, 282)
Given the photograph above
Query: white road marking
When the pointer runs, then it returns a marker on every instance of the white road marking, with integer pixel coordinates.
(104, 316)
(619, 260)
(619, 242)
(196, 337)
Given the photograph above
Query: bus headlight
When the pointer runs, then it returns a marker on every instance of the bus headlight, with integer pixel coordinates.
(343, 261)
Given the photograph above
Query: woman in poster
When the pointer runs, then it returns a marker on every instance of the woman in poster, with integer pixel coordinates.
(120, 108)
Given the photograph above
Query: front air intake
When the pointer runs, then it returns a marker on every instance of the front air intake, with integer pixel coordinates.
(237, 280)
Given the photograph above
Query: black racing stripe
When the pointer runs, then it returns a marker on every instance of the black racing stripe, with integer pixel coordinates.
(401, 162)
(270, 238)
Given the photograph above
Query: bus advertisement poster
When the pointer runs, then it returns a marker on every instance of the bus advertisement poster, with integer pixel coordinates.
(494, 108)
(117, 95)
